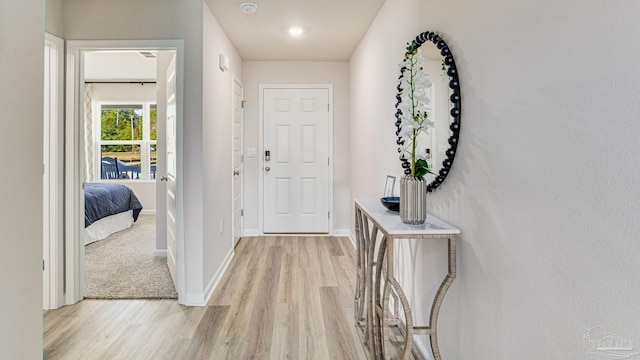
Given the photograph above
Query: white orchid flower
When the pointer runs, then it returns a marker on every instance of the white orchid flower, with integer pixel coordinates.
(414, 105)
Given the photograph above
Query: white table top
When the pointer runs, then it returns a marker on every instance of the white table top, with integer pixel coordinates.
(390, 223)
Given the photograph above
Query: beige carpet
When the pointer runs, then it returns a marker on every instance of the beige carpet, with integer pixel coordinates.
(122, 266)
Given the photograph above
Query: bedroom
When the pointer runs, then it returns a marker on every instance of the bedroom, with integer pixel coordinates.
(120, 162)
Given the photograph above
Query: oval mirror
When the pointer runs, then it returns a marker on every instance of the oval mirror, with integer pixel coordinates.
(438, 145)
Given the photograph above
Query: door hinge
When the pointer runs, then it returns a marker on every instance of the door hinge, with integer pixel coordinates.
(241, 158)
(241, 212)
(328, 161)
(242, 103)
(329, 215)
(328, 107)
(42, 264)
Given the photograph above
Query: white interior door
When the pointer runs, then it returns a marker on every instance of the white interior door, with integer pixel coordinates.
(171, 171)
(237, 161)
(296, 171)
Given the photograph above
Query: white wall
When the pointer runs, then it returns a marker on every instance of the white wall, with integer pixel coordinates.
(21, 101)
(145, 190)
(53, 20)
(118, 65)
(545, 184)
(324, 72)
(161, 19)
(216, 135)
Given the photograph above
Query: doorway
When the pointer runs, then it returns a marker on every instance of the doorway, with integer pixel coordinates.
(136, 174)
(296, 158)
(238, 159)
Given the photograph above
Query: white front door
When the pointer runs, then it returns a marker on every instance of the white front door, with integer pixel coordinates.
(296, 169)
(237, 161)
(171, 171)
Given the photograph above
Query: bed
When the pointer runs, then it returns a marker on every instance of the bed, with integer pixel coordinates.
(108, 208)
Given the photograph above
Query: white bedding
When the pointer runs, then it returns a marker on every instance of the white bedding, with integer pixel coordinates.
(107, 226)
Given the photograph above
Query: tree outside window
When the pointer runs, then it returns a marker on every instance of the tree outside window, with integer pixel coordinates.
(128, 139)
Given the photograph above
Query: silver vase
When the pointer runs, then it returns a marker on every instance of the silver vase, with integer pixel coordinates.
(413, 200)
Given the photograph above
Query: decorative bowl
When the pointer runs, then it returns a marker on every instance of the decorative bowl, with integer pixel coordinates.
(391, 203)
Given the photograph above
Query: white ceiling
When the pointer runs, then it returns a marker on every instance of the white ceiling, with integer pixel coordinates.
(332, 28)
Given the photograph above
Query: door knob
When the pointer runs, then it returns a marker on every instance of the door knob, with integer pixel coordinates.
(236, 172)
(163, 178)
(267, 168)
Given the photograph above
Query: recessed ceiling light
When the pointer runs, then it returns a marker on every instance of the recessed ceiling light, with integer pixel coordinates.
(248, 7)
(295, 31)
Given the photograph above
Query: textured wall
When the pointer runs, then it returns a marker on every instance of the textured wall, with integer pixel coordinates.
(544, 186)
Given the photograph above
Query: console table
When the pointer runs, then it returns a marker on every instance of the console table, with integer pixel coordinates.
(372, 313)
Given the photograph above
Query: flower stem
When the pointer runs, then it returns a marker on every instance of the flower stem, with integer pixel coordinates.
(413, 115)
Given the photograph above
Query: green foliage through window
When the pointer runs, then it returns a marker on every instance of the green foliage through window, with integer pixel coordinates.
(121, 124)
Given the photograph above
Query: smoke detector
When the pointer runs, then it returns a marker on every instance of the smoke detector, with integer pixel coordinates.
(248, 7)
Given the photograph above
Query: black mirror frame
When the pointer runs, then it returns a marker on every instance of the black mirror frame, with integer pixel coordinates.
(454, 84)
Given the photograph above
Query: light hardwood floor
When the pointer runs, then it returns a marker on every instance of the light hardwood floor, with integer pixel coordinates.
(281, 298)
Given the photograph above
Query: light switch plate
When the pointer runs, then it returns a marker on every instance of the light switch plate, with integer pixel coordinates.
(251, 152)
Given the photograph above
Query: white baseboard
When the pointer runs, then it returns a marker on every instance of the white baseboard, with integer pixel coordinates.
(251, 232)
(194, 299)
(352, 237)
(341, 232)
(160, 253)
(201, 299)
(148, 212)
(336, 232)
(422, 348)
(213, 284)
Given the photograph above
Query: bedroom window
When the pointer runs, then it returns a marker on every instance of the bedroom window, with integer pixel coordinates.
(127, 143)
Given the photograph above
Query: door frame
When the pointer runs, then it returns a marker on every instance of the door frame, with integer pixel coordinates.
(234, 80)
(262, 88)
(53, 235)
(74, 155)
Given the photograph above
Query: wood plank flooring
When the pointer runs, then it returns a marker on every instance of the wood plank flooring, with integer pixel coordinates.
(281, 298)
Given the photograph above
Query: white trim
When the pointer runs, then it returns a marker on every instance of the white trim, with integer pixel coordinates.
(74, 149)
(73, 180)
(53, 196)
(342, 232)
(213, 284)
(321, 235)
(236, 80)
(201, 299)
(352, 237)
(160, 253)
(252, 232)
(148, 212)
(261, 165)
